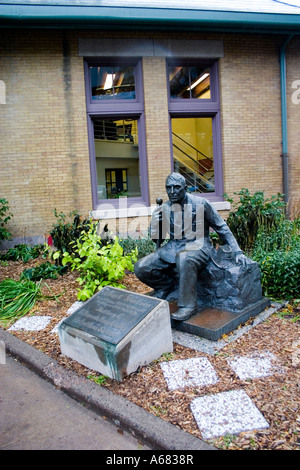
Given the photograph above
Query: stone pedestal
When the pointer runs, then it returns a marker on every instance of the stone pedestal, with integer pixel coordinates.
(117, 331)
(227, 285)
(228, 294)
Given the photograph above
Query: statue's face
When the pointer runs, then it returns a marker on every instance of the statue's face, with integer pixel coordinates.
(176, 190)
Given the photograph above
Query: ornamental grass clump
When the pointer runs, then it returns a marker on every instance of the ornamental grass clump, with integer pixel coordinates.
(17, 298)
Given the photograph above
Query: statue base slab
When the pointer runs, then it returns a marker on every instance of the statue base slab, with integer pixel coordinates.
(212, 323)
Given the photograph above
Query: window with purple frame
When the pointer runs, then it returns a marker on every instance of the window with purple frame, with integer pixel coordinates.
(116, 130)
(194, 108)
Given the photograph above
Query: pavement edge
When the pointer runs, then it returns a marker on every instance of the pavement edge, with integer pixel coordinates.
(152, 430)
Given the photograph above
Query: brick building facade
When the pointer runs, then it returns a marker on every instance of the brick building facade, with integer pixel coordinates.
(49, 119)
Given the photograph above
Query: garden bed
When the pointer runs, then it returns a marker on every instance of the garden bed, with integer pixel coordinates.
(276, 396)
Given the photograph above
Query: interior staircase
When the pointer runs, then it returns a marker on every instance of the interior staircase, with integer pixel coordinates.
(194, 165)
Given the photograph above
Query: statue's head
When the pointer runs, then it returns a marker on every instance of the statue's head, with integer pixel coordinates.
(176, 187)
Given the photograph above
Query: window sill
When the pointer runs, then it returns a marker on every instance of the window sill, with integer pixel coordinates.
(140, 211)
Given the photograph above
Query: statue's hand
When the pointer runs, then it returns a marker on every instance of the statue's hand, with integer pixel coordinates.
(241, 258)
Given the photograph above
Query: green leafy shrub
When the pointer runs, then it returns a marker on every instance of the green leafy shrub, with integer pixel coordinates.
(284, 237)
(97, 265)
(277, 251)
(280, 273)
(65, 231)
(45, 270)
(22, 252)
(144, 246)
(268, 237)
(251, 213)
(5, 216)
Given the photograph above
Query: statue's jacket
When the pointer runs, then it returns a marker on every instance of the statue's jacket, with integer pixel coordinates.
(187, 226)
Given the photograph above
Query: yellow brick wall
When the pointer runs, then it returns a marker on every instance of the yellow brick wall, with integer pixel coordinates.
(251, 114)
(44, 145)
(157, 125)
(44, 149)
(293, 117)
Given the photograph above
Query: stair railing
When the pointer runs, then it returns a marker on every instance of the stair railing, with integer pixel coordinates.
(197, 179)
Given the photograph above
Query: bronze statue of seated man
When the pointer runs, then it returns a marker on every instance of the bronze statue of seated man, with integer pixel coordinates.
(187, 220)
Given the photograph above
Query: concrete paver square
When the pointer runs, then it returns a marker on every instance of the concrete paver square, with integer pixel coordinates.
(256, 366)
(34, 323)
(229, 412)
(194, 372)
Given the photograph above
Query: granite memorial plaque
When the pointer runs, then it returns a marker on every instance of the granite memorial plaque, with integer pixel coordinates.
(111, 314)
(116, 331)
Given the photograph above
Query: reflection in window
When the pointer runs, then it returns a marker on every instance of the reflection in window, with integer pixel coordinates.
(189, 82)
(193, 152)
(117, 158)
(112, 83)
(116, 182)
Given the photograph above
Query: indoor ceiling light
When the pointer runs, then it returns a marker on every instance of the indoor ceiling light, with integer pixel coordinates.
(203, 77)
(109, 81)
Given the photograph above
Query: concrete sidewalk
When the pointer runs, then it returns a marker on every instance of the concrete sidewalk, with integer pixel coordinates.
(37, 416)
(141, 426)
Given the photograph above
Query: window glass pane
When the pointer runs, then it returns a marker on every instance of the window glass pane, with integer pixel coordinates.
(200, 83)
(117, 158)
(109, 83)
(124, 87)
(189, 82)
(179, 82)
(193, 152)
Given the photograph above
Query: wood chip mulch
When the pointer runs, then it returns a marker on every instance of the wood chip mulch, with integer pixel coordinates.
(276, 396)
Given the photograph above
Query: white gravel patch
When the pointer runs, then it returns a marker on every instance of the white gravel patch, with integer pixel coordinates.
(35, 323)
(230, 412)
(194, 372)
(256, 366)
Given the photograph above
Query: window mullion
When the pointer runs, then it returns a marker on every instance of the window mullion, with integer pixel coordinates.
(190, 83)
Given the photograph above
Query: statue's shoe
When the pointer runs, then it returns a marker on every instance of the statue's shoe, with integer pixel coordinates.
(183, 313)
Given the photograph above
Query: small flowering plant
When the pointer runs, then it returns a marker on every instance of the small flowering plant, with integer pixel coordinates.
(49, 241)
